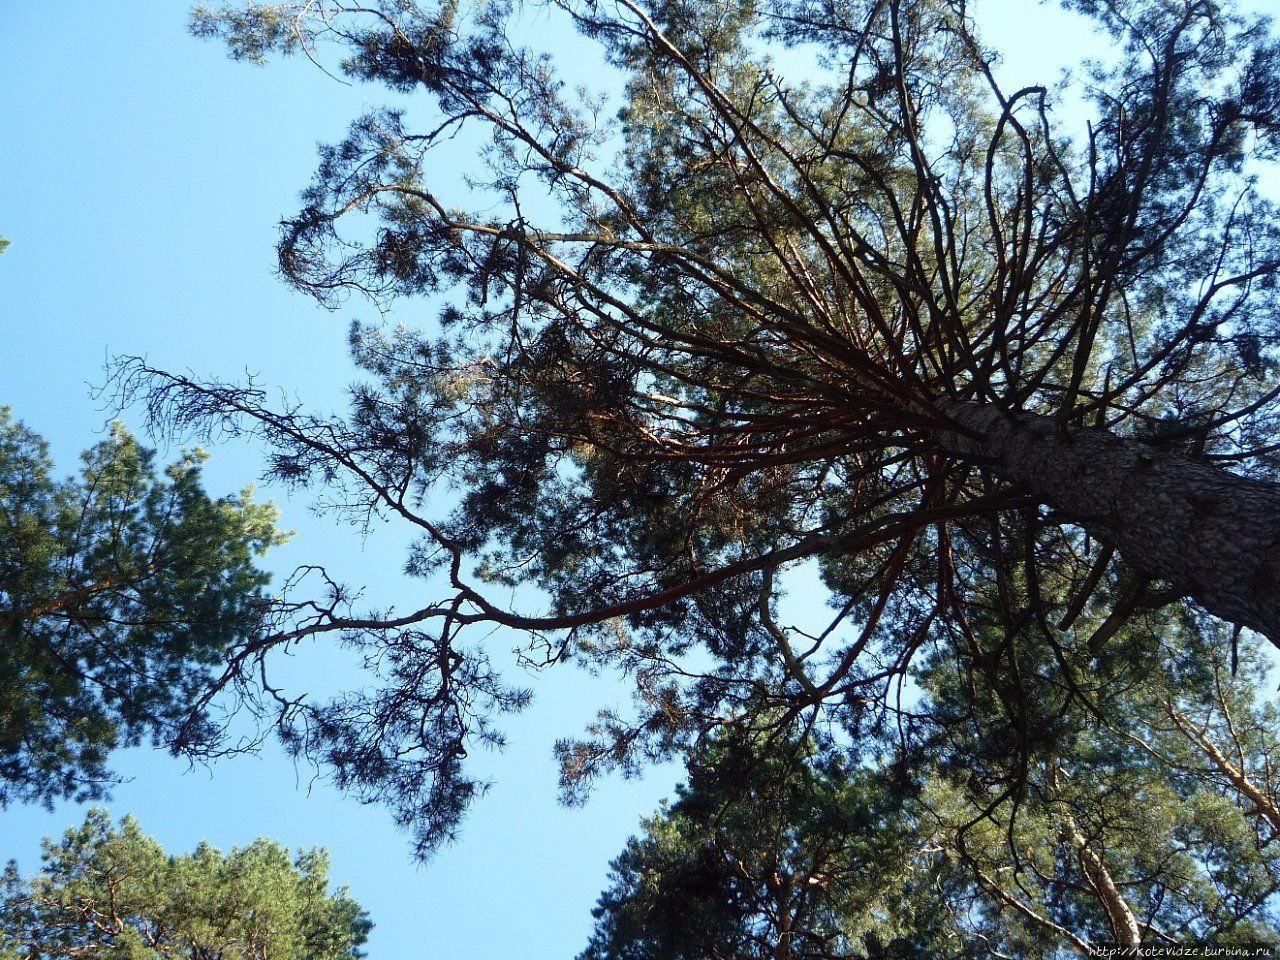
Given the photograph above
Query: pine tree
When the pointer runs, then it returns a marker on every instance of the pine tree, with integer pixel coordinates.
(113, 892)
(121, 595)
(877, 315)
(1037, 830)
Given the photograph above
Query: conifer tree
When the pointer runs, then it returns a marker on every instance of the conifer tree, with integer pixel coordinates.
(122, 592)
(106, 891)
(881, 314)
(1149, 821)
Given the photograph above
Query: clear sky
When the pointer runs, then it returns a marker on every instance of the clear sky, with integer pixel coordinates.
(141, 178)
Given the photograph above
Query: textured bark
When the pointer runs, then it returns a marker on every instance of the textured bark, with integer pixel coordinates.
(1124, 925)
(1210, 533)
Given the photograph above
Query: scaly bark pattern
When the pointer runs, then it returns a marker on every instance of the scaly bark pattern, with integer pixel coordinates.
(1212, 534)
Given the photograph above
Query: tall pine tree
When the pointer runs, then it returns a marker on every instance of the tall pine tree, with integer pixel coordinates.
(882, 314)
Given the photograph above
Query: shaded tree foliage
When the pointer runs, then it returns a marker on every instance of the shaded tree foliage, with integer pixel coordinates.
(1152, 822)
(1111, 818)
(121, 593)
(884, 316)
(113, 892)
(773, 849)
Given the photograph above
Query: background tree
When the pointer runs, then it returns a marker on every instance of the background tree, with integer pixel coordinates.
(120, 593)
(778, 850)
(1107, 821)
(107, 892)
(886, 316)
(1150, 822)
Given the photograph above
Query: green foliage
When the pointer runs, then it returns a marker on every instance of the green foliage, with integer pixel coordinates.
(772, 849)
(121, 593)
(858, 316)
(114, 894)
(796, 846)
(258, 29)
(1046, 766)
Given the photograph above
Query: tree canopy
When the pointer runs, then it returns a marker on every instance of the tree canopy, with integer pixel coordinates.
(109, 892)
(121, 593)
(1006, 379)
(1153, 823)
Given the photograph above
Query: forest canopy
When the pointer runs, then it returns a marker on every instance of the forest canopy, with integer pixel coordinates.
(107, 891)
(1004, 379)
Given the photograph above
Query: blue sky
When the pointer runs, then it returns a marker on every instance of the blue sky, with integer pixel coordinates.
(143, 175)
(141, 178)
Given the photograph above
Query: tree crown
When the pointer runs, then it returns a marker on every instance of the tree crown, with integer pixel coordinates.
(888, 317)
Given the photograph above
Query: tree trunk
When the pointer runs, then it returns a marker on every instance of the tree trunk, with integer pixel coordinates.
(1211, 534)
(1124, 925)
